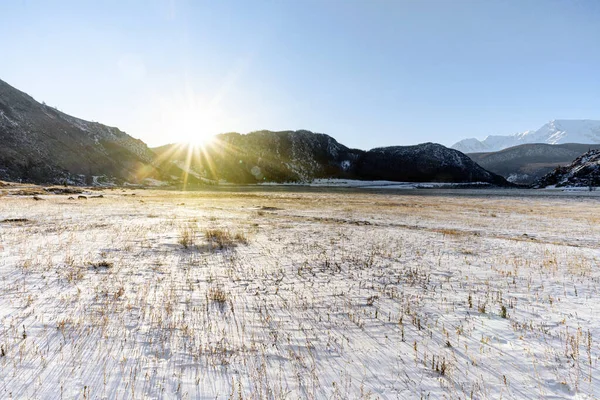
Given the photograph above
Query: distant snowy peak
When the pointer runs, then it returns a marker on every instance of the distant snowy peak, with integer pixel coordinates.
(554, 132)
(569, 131)
(490, 143)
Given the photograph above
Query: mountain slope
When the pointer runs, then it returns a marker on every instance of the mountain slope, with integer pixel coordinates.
(302, 155)
(584, 171)
(554, 132)
(427, 162)
(526, 163)
(266, 156)
(41, 144)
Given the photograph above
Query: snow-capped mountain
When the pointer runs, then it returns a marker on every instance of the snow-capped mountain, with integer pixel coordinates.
(554, 132)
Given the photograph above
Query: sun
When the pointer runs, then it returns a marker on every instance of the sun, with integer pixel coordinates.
(193, 129)
(200, 140)
(188, 118)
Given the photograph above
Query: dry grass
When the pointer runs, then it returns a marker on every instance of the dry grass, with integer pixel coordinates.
(451, 232)
(365, 296)
(187, 236)
(33, 191)
(223, 238)
(101, 265)
(217, 295)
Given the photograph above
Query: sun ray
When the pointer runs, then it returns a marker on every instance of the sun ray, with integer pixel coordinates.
(187, 164)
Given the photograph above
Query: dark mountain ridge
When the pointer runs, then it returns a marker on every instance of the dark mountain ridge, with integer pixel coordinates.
(583, 171)
(292, 156)
(427, 162)
(42, 144)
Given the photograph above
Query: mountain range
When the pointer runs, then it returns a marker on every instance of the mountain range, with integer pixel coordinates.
(297, 156)
(526, 163)
(40, 144)
(554, 132)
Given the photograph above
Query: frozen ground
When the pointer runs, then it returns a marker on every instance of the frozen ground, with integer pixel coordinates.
(280, 294)
(352, 183)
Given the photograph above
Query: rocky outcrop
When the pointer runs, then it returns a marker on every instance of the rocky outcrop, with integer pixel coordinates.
(583, 172)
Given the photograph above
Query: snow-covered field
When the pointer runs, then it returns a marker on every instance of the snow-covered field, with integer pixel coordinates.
(291, 294)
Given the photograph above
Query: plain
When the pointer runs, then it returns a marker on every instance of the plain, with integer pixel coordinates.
(275, 293)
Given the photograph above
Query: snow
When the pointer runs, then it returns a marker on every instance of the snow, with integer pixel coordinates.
(583, 171)
(515, 178)
(10, 121)
(155, 182)
(353, 183)
(187, 169)
(554, 132)
(337, 294)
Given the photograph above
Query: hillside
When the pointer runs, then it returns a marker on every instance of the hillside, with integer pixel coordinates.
(427, 162)
(584, 171)
(554, 132)
(524, 164)
(42, 144)
(291, 156)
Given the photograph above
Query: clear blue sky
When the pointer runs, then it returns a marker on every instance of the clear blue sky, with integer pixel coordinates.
(369, 73)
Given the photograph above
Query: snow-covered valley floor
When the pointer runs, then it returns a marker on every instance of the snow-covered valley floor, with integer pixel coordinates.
(272, 295)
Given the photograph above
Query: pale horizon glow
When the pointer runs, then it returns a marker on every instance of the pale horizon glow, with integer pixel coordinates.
(369, 74)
